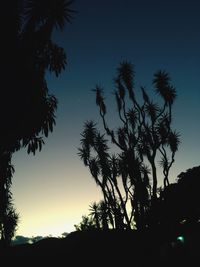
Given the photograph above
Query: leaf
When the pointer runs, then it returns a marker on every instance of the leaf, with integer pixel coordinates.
(145, 96)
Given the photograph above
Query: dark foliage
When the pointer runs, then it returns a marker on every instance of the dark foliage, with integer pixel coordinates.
(107, 248)
(123, 160)
(178, 203)
(27, 108)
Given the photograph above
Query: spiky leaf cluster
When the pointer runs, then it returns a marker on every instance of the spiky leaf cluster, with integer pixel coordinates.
(146, 142)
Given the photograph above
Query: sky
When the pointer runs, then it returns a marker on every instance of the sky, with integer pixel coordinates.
(53, 189)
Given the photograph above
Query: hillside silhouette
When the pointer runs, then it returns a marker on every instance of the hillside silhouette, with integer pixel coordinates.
(110, 248)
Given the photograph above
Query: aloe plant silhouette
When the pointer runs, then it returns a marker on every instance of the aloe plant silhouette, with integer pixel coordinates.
(123, 161)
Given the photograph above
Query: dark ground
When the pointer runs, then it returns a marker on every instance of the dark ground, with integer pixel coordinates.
(110, 248)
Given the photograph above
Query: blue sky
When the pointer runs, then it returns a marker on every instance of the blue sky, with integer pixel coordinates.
(52, 189)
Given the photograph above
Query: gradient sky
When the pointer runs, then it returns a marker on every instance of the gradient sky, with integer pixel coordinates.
(52, 190)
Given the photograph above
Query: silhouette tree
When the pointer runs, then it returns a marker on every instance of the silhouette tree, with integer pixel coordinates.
(10, 224)
(87, 223)
(129, 175)
(179, 202)
(9, 217)
(100, 217)
(27, 109)
(94, 213)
